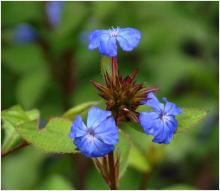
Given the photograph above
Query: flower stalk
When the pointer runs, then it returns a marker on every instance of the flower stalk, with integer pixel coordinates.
(122, 96)
(113, 177)
(108, 166)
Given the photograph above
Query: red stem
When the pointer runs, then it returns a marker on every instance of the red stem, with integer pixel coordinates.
(114, 69)
(111, 163)
(24, 144)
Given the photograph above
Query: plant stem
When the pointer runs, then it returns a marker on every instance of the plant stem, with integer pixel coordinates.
(113, 183)
(113, 180)
(23, 144)
(115, 72)
(109, 165)
(144, 181)
(81, 165)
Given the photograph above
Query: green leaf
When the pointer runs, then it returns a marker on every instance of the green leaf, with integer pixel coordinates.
(138, 160)
(11, 137)
(11, 118)
(33, 114)
(133, 125)
(143, 142)
(53, 138)
(15, 115)
(79, 109)
(137, 136)
(123, 149)
(189, 118)
(142, 108)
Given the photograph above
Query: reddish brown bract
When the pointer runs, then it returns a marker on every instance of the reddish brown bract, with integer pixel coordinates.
(122, 96)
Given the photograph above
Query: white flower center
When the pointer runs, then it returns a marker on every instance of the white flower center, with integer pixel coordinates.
(164, 117)
(114, 32)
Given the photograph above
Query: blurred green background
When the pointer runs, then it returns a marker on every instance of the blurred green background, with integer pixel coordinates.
(46, 65)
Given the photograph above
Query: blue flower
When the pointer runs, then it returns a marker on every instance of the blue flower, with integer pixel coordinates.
(25, 33)
(161, 123)
(54, 11)
(106, 40)
(99, 136)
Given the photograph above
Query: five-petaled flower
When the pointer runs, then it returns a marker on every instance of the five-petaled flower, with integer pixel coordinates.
(99, 136)
(106, 40)
(161, 123)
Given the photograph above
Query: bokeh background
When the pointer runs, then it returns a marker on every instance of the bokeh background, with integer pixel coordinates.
(46, 65)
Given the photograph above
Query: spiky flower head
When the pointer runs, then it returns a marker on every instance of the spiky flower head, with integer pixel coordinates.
(122, 96)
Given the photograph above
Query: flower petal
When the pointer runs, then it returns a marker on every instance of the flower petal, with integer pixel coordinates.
(94, 38)
(102, 148)
(85, 145)
(107, 131)
(78, 128)
(150, 122)
(161, 130)
(96, 116)
(92, 147)
(171, 108)
(164, 136)
(172, 124)
(154, 103)
(108, 45)
(168, 129)
(128, 38)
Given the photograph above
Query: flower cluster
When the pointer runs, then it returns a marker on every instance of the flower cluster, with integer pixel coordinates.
(122, 96)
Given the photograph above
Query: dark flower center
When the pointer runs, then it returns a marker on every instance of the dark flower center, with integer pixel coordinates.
(91, 132)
